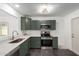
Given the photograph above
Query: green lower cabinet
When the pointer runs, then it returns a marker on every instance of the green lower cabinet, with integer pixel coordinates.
(35, 42)
(29, 43)
(55, 42)
(24, 48)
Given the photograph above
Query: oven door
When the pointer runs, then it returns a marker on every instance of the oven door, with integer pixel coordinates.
(47, 43)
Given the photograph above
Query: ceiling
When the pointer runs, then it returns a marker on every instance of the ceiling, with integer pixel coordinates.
(60, 9)
(3, 13)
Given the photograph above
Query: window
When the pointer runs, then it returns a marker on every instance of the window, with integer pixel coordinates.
(3, 29)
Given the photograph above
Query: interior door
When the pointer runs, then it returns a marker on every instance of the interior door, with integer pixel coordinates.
(75, 34)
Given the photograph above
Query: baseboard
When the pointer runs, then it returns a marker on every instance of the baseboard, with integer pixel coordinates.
(75, 52)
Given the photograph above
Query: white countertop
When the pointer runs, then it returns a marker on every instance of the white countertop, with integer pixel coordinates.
(7, 48)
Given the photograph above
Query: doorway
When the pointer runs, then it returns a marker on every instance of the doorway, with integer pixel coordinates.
(75, 34)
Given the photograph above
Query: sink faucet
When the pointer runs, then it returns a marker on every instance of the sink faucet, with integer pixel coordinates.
(13, 34)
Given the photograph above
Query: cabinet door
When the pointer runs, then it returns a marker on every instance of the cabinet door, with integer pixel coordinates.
(35, 25)
(28, 43)
(25, 23)
(24, 47)
(28, 23)
(55, 42)
(44, 21)
(53, 24)
(35, 42)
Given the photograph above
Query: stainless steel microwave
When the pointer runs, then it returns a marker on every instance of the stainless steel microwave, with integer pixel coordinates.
(45, 26)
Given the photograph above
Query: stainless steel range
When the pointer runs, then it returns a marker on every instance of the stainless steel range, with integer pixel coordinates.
(46, 38)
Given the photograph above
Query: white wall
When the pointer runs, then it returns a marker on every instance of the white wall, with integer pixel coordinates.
(68, 32)
(59, 32)
(13, 24)
(12, 17)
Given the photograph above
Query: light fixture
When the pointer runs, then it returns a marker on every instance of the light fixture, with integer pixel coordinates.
(16, 5)
(45, 9)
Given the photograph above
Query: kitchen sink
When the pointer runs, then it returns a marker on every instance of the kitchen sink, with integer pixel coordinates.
(17, 40)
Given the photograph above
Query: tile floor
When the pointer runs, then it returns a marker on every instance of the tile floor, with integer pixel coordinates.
(51, 52)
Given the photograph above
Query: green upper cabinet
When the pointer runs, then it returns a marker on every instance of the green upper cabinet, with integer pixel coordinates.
(25, 23)
(44, 21)
(29, 24)
(35, 25)
(52, 23)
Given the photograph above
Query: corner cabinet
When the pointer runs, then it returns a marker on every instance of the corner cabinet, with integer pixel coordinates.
(25, 23)
(35, 42)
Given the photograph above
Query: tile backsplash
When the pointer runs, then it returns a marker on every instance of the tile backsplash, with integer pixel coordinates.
(37, 33)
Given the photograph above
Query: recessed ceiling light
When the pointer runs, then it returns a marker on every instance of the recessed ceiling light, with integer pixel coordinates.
(16, 5)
